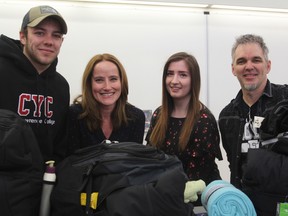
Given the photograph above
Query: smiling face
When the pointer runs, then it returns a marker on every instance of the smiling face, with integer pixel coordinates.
(106, 84)
(178, 80)
(250, 67)
(42, 43)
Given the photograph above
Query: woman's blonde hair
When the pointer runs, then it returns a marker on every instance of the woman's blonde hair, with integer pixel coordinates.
(90, 106)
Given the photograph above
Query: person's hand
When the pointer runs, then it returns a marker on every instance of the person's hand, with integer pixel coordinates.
(192, 189)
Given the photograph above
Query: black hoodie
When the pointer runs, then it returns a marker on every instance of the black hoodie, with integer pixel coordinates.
(22, 88)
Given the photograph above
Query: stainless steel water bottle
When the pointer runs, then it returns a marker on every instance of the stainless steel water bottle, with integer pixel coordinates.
(49, 179)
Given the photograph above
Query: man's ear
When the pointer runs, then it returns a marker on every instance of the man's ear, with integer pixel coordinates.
(232, 67)
(268, 66)
(22, 37)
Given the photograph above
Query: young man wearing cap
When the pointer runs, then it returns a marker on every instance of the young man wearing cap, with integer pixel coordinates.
(29, 83)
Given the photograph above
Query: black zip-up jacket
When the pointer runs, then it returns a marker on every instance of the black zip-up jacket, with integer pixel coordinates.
(41, 99)
(232, 121)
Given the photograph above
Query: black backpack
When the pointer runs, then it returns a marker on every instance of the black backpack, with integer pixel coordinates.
(120, 179)
(21, 167)
(265, 179)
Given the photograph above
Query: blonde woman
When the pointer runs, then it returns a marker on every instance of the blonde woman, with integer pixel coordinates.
(102, 112)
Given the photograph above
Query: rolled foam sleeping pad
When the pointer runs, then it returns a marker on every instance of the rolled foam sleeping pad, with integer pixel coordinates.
(220, 198)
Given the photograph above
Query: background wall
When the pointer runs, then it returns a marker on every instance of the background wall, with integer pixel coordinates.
(144, 37)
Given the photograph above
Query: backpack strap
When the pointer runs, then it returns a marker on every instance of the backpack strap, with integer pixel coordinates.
(274, 140)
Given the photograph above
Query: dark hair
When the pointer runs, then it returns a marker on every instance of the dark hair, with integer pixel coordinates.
(158, 134)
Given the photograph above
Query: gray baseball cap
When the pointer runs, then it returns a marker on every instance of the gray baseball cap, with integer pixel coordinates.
(37, 14)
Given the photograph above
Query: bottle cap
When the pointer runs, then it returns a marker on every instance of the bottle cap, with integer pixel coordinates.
(50, 168)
